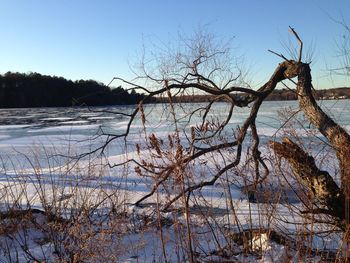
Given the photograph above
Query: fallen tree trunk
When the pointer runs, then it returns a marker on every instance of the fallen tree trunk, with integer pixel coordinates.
(335, 134)
(321, 184)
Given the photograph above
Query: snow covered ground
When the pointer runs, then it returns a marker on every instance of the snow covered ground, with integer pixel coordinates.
(56, 207)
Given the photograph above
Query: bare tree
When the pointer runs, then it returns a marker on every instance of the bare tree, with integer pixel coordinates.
(203, 66)
(343, 50)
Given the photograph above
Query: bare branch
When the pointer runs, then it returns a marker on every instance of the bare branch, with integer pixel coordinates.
(300, 43)
(319, 182)
(279, 55)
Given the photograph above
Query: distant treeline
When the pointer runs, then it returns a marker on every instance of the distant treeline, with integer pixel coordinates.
(336, 93)
(19, 90)
(278, 94)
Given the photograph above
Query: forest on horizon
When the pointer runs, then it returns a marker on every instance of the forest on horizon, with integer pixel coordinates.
(21, 90)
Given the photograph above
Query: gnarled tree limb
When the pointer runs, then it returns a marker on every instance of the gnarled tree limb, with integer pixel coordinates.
(322, 185)
(336, 135)
(335, 198)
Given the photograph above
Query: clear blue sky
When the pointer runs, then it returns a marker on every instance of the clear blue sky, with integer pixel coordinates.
(97, 39)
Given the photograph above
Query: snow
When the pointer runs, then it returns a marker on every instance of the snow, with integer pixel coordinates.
(36, 173)
(66, 128)
(9, 127)
(56, 119)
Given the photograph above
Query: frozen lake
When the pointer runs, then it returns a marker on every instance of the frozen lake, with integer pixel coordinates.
(52, 122)
(76, 130)
(35, 144)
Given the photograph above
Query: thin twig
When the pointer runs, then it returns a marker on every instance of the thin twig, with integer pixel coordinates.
(300, 43)
(279, 55)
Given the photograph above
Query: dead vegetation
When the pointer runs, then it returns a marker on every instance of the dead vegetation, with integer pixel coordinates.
(191, 173)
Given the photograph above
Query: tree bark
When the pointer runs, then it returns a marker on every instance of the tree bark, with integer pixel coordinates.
(319, 182)
(336, 135)
(335, 198)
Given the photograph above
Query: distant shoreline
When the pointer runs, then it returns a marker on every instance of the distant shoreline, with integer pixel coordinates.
(33, 90)
(276, 95)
